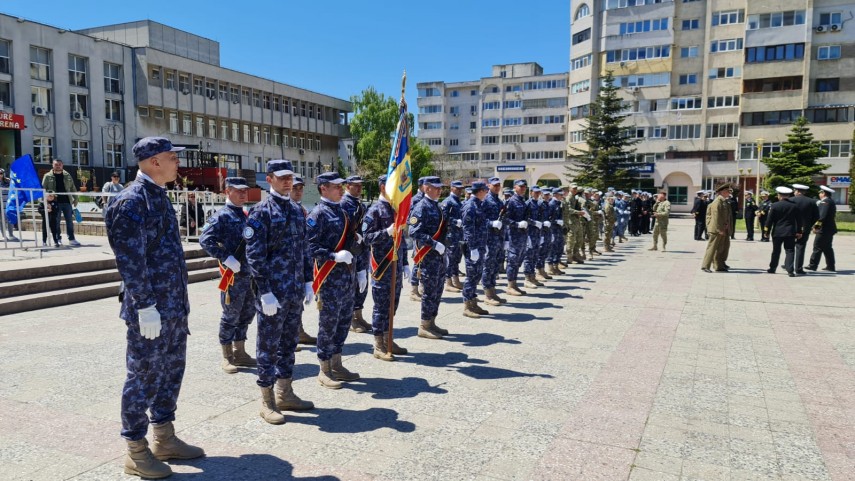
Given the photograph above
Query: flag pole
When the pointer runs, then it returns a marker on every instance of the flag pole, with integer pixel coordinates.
(395, 242)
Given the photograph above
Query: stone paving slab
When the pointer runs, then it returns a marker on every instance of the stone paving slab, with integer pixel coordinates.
(635, 366)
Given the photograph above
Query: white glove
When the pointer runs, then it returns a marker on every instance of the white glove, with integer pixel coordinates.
(149, 322)
(507, 245)
(232, 264)
(344, 256)
(523, 224)
(458, 222)
(528, 242)
(538, 224)
(391, 230)
(440, 249)
(310, 293)
(269, 304)
(474, 255)
(407, 272)
(559, 222)
(547, 224)
(497, 224)
(542, 240)
(359, 238)
(362, 279)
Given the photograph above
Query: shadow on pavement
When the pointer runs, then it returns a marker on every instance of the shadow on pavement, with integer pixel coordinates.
(247, 466)
(385, 388)
(475, 368)
(483, 339)
(352, 421)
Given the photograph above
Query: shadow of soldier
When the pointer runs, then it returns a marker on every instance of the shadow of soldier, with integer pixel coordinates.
(475, 368)
(482, 339)
(244, 467)
(348, 421)
(387, 388)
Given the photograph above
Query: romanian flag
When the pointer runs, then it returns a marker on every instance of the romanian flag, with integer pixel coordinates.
(399, 177)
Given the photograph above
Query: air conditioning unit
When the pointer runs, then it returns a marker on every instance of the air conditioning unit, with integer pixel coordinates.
(623, 64)
(77, 115)
(39, 110)
(454, 114)
(302, 151)
(185, 91)
(821, 28)
(835, 27)
(472, 131)
(671, 148)
(633, 90)
(474, 113)
(212, 96)
(235, 101)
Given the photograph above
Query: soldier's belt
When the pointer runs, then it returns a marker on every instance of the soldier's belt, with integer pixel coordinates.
(321, 273)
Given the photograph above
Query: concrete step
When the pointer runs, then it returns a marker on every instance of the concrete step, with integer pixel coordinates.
(74, 295)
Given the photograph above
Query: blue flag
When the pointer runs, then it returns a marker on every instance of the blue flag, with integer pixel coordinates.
(23, 176)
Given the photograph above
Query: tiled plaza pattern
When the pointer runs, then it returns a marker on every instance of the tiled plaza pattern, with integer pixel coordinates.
(636, 366)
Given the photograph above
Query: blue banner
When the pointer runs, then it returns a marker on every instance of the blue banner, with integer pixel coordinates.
(23, 176)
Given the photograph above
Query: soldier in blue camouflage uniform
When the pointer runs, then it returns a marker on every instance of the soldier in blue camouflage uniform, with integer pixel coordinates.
(428, 229)
(379, 226)
(297, 200)
(352, 205)
(143, 232)
(452, 209)
(222, 239)
(556, 213)
(276, 256)
(517, 219)
(330, 242)
(545, 232)
(415, 293)
(494, 209)
(533, 244)
(507, 193)
(475, 241)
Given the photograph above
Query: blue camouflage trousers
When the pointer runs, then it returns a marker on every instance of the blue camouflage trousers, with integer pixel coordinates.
(545, 247)
(516, 254)
(492, 260)
(557, 247)
(381, 293)
(335, 311)
(238, 313)
(432, 272)
(155, 371)
(454, 254)
(277, 342)
(474, 271)
(531, 252)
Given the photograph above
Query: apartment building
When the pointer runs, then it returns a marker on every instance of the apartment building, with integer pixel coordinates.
(512, 123)
(709, 86)
(158, 80)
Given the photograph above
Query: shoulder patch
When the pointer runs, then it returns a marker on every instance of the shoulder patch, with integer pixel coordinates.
(311, 222)
(248, 232)
(254, 223)
(212, 220)
(414, 220)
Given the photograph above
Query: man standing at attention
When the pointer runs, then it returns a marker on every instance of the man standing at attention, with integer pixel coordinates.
(60, 181)
(660, 215)
(719, 218)
(428, 228)
(749, 211)
(143, 233)
(824, 230)
(809, 213)
(699, 211)
(785, 226)
(352, 205)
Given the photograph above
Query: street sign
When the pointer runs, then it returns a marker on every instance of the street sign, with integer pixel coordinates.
(510, 168)
(839, 181)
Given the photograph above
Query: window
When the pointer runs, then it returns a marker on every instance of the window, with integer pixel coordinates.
(256, 98)
(682, 132)
(113, 110)
(722, 130)
(686, 103)
(577, 136)
(246, 133)
(512, 122)
(725, 72)
(5, 60)
(265, 99)
(553, 119)
(678, 195)
(639, 53)
(818, 116)
(43, 149)
(80, 152)
(245, 96)
(79, 103)
(775, 53)
(42, 97)
(641, 26)
(170, 80)
(6, 93)
(580, 62)
(776, 19)
(115, 158)
(726, 101)
(837, 148)
(434, 109)
(454, 93)
(645, 80)
(276, 103)
(774, 84)
(158, 113)
(234, 93)
(173, 122)
(186, 124)
(210, 89)
(77, 71)
(112, 78)
(583, 86)
(286, 105)
(582, 11)
(198, 86)
(582, 36)
(770, 118)
(493, 105)
(223, 90)
(728, 17)
(580, 112)
(513, 104)
(224, 130)
(827, 84)
(689, 52)
(691, 24)
(545, 84)
(40, 63)
(212, 128)
(265, 135)
(828, 52)
(154, 76)
(727, 45)
(184, 83)
(434, 141)
(689, 79)
(830, 18)
(431, 125)
(657, 132)
(532, 120)
(429, 92)
(302, 110)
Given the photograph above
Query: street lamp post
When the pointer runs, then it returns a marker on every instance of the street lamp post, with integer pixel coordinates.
(760, 142)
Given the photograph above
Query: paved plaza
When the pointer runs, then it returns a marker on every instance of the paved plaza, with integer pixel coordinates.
(636, 366)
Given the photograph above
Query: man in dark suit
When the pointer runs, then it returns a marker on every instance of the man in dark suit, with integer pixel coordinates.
(635, 206)
(734, 212)
(785, 225)
(699, 210)
(824, 228)
(749, 210)
(809, 214)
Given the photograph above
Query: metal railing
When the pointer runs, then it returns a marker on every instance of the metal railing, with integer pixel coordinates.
(10, 241)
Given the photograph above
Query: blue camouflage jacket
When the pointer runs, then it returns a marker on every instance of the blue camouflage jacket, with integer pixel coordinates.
(424, 222)
(517, 211)
(452, 210)
(378, 218)
(326, 226)
(475, 225)
(355, 212)
(223, 234)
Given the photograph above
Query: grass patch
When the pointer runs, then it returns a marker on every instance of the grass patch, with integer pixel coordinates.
(842, 227)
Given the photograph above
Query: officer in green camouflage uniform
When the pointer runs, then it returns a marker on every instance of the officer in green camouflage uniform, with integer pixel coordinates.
(591, 231)
(661, 212)
(610, 217)
(572, 214)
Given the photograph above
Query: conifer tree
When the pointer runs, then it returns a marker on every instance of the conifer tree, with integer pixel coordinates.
(796, 162)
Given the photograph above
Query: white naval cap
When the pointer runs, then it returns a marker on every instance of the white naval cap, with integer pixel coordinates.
(800, 187)
(783, 190)
(827, 189)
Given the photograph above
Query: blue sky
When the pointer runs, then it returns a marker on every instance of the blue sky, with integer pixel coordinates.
(339, 47)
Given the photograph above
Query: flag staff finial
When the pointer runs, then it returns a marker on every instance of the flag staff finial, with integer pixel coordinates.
(403, 84)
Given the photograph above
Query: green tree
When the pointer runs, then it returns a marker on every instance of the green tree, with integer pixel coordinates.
(421, 159)
(610, 148)
(796, 162)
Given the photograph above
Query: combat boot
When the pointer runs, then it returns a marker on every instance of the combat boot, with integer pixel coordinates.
(531, 282)
(468, 310)
(609, 249)
(357, 322)
(140, 461)
(653, 248)
(578, 259)
(286, 400)
(326, 377)
(243, 359)
(475, 307)
(437, 329)
(340, 372)
(228, 359)
(415, 295)
(426, 332)
(449, 286)
(395, 348)
(269, 411)
(380, 351)
(595, 251)
(167, 445)
(490, 297)
(305, 338)
(663, 247)
(456, 281)
(542, 273)
(514, 290)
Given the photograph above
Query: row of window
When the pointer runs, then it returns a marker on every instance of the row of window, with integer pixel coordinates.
(775, 53)
(779, 117)
(832, 148)
(515, 121)
(627, 28)
(638, 53)
(41, 67)
(776, 19)
(539, 85)
(79, 104)
(43, 152)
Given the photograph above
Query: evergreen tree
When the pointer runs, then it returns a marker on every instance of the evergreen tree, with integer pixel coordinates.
(610, 147)
(796, 162)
